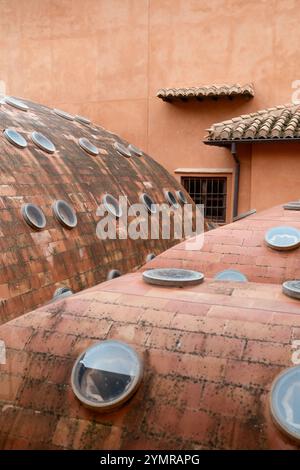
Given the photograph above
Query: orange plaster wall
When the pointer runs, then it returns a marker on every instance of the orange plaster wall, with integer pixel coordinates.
(275, 174)
(107, 58)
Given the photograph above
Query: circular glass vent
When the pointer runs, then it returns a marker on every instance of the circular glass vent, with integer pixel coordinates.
(106, 375)
(122, 149)
(181, 196)
(62, 292)
(43, 142)
(16, 103)
(291, 288)
(172, 277)
(82, 120)
(112, 205)
(113, 274)
(285, 402)
(171, 199)
(231, 275)
(150, 257)
(15, 138)
(292, 206)
(86, 145)
(135, 150)
(65, 214)
(63, 114)
(148, 203)
(283, 238)
(34, 216)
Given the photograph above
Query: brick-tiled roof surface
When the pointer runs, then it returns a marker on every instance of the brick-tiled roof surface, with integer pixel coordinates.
(210, 354)
(34, 264)
(280, 122)
(206, 91)
(240, 246)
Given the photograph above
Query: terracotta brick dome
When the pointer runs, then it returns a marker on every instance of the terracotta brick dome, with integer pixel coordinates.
(210, 354)
(77, 162)
(241, 246)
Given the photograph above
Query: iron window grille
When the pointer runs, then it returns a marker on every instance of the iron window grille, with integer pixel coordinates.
(209, 191)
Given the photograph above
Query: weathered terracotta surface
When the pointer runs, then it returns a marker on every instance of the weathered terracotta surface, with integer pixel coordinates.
(34, 264)
(241, 246)
(210, 352)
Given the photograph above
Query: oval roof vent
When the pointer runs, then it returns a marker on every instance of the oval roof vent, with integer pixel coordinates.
(284, 402)
(148, 203)
(135, 150)
(173, 277)
(106, 375)
(82, 120)
(122, 149)
(15, 138)
(291, 288)
(181, 196)
(86, 145)
(112, 205)
(150, 257)
(34, 216)
(62, 292)
(283, 238)
(43, 142)
(113, 273)
(170, 197)
(16, 103)
(65, 214)
(63, 114)
(231, 275)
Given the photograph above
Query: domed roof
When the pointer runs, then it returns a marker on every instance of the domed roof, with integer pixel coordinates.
(62, 166)
(210, 354)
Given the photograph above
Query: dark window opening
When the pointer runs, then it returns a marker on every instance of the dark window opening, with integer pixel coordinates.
(209, 191)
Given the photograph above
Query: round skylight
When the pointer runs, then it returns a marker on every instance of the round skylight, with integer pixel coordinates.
(63, 114)
(113, 274)
(285, 402)
(231, 275)
(170, 197)
(283, 238)
(62, 292)
(150, 257)
(112, 205)
(292, 288)
(16, 103)
(122, 149)
(43, 142)
(106, 375)
(148, 203)
(34, 216)
(135, 150)
(181, 196)
(86, 145)
(82, 120)
(15, 138)
(292, 206)
(65, 214)
(173, 277)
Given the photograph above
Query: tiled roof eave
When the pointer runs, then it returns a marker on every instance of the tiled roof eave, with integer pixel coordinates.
(228, 142)
(213, 92)
(277, 124)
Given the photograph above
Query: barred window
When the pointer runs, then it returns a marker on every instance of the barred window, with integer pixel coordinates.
(209, 191)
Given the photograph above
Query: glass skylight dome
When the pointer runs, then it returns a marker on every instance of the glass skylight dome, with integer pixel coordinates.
(106, 375)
